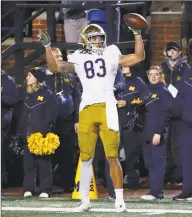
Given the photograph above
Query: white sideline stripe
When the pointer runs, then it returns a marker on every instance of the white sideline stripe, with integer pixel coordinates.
(48, 209)
(155, 213)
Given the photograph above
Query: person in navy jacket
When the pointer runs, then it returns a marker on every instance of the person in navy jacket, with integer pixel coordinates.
(38, 114)
(184, 100)
(68, 96)
(134, 92)
(158, 106)
(9, 98)
(173, 67)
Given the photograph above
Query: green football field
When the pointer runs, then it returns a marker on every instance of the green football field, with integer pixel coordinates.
(60, 206)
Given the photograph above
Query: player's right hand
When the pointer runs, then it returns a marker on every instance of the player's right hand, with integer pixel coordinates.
(44, 38)
(135, 32)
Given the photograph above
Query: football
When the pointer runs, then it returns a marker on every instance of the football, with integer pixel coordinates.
(135, 21)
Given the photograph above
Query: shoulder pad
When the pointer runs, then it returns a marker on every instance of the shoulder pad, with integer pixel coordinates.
(113, 49)
(74, 57)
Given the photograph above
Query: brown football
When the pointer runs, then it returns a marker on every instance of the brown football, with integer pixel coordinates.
(135, 21)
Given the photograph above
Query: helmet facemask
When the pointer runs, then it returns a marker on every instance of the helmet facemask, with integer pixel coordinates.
(94, 38)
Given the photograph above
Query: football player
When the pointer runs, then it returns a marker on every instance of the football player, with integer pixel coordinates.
(96, 65)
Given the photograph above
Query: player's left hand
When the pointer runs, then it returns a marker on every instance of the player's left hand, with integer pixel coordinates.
(44, 38)
(121, 103)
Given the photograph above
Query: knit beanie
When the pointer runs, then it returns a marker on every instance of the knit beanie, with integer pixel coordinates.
(39, 73)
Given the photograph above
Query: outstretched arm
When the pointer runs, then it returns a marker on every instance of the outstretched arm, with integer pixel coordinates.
(52, 63)
(55, 66)
(138, 56)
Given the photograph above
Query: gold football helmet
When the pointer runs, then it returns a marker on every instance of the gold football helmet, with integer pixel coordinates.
(90, 31)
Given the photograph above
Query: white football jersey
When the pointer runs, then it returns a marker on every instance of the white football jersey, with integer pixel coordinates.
(97, 74)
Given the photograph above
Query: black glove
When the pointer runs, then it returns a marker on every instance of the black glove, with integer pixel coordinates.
(135, 118)
(44, 38)
(16, 145)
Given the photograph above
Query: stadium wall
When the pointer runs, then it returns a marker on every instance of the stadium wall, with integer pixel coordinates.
(165, 26)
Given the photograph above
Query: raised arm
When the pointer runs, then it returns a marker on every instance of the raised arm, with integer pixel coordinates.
(138, 56)
(63, 67)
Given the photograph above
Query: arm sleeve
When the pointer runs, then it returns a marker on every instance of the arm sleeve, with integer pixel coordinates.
(119, 84)
(9, 91)
(179, 99)
(116, 50)
(73, 58)
(51, 112)
(76, 94)
(164, 108)
(183, 97)
(144, 92)
(114, 53)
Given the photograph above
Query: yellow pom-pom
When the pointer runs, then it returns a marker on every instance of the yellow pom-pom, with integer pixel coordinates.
(51, 143)
(35, 142)
(43, 146)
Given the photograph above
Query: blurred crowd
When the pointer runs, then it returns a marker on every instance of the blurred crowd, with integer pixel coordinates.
(154, 115)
